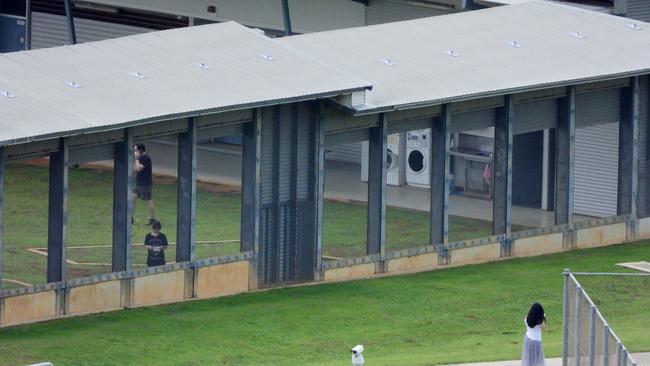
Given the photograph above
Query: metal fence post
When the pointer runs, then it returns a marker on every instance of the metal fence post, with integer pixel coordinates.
(619, 351)
(592, 336)
(624, 357)
(578, 326)
(565, 319)
(605, 345)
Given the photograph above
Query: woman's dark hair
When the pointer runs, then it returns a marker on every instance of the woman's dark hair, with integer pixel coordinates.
(140, 147)
(535, 315)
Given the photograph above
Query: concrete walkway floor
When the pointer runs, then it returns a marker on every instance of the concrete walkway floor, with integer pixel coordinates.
(221, 164)
(642, 359)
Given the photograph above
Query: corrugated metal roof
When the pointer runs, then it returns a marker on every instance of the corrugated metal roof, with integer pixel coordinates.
(473, 54)
(140, 78)
(576, 3)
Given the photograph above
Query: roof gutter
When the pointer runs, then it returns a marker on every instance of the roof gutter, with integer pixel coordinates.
(134, 123)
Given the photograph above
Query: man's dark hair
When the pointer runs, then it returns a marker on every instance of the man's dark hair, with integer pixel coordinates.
(535, 315)
(156, 225)
(140, 147)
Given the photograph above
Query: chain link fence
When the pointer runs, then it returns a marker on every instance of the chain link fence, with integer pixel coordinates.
(589, 339)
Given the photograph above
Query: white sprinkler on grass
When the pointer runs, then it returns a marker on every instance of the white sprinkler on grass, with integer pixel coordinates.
(357, 356)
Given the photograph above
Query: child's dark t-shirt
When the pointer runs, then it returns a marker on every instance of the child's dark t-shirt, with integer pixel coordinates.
(156, 255)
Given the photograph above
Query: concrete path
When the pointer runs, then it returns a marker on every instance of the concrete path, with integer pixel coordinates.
(222, 164)
(642, 359)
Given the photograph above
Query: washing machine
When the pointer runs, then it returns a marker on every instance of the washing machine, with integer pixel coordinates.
(418, 164)
(392, 161)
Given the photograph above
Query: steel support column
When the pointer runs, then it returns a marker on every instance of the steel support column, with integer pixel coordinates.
(502, 168)
(318, 183)
(293, 262)
(250, 184)
(250, 205)
(644, 124)
(286, 16)
(628, 150)
(2, 193)
(28, 25)
(439, 175)
(122, 176)
(274, 250)
(57, 218)
(186, 196)
(565, 158)
(565, 317)
(377, 188)
(72, 33)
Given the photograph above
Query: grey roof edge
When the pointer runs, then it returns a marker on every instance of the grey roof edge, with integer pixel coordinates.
(494, 93)
(134, 123)
(573, 7)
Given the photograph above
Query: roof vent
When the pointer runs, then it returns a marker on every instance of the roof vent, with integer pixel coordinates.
(267, 57)
(73, 84)
(203, 66)
(7, 94)
(515, 44)
(633, 26)
(389, 62)
(137, 75)
(453, 53)
(577, 35)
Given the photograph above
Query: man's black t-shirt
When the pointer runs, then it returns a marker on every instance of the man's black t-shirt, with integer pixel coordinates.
(156, 255)
(143, 178)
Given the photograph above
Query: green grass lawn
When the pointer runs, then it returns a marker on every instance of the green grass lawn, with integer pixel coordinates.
(471, 313)
(217, 218)
(90, 221)
(345, 228)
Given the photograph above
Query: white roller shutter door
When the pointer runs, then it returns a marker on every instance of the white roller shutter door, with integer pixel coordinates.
(596, 170)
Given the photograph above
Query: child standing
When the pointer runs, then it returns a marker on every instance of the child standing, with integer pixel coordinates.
(156, 243)
(532, 353)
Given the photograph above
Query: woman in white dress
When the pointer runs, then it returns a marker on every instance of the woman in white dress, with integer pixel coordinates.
(532, 353)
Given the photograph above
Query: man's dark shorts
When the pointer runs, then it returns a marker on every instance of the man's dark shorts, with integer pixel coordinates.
(143, 192)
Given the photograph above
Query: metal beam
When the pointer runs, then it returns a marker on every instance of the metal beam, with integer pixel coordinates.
(186, 196)
(502, 168)
(72, 33)
(57, 214)
(565, 158)
(377, 188)
(122, 176)
(439, 173)
(628, 150)
(28, 25)
(286, 16)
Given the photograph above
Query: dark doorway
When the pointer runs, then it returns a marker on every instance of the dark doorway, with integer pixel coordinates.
(527, 160)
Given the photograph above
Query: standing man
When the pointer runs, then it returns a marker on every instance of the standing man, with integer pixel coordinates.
(143, 181)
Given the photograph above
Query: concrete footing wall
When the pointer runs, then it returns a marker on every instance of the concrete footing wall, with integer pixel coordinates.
(234, 277)
(421, 262)
(143, 290)
(643, 228)
(602, 235)
(538, 245)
